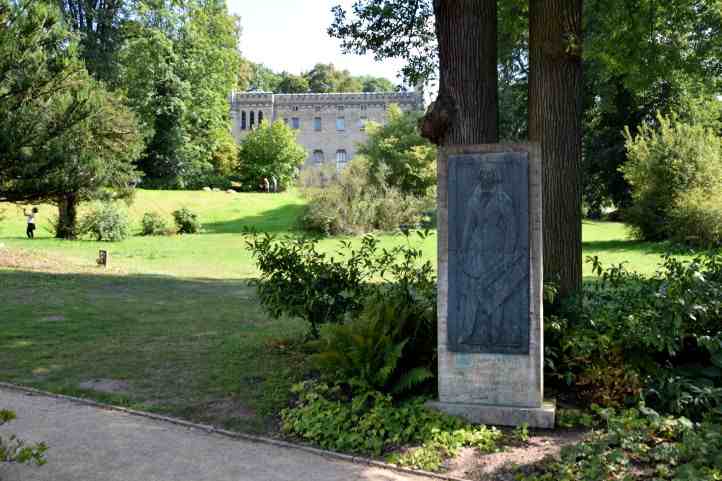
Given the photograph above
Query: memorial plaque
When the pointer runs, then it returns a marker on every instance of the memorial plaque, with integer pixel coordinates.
(488, 252)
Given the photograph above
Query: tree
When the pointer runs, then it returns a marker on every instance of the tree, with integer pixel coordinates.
(555, 120)
(292, 84)
(65, 138)
(397, 151)
(375, 84)
(271, 150)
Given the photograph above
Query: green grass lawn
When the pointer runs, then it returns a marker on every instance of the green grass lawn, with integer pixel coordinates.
(174, 320)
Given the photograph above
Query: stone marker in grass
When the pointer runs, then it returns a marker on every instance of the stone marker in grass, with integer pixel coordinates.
(490, 285)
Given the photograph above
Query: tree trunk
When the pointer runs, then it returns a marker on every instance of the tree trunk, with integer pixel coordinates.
(67, 217)
(555, 120)
(465, 111)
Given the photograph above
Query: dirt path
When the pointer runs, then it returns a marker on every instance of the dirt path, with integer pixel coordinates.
(89, 443)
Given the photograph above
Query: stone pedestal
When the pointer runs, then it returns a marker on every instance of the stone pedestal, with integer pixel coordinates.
(490, 320)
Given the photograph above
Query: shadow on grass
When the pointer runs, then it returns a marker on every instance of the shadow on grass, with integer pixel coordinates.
(625, 245)
(281, 219)
(177, 343)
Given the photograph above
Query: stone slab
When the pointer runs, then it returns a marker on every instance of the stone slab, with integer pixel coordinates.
(542, 417)
(511, 380)
(489, 253)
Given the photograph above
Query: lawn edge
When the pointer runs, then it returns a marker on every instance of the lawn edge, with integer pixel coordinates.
(232, 434)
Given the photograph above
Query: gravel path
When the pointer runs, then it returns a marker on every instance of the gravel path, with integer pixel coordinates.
(89, 443)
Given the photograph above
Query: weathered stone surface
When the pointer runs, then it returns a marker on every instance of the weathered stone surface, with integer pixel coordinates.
(542, 417)
(489, 253)
(498, 380)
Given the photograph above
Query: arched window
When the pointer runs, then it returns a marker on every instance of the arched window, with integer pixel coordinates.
(341, 159)
(317, 157)
(243, 120)
(260, 117)
(252, 120)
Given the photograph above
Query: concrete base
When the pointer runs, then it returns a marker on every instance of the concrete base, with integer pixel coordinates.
(542, 417)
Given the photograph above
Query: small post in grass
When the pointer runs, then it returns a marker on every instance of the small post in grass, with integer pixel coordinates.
(102, 259)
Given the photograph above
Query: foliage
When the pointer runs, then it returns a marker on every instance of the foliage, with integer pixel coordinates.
(299, 280)
(178, 66)
(351, 203)
(639, 444)
(271, 150)
(105, 222)
(154, 224)
(14, 450)
(391, 345)
(696, 218)
(665, 163)
(65, 137)
(369, 423)
(625, 332)
(186, 221)
(398, 154)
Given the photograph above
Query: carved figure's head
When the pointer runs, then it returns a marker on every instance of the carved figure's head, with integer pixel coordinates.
(489, 178)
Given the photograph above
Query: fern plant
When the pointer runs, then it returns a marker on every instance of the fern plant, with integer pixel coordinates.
(386, 348)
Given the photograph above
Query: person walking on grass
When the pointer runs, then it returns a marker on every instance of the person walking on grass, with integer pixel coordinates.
(274, 184)
(31, 222)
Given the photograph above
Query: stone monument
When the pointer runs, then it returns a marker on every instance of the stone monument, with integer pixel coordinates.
(490, 285)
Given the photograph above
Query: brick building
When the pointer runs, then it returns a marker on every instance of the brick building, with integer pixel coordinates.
(329, 125)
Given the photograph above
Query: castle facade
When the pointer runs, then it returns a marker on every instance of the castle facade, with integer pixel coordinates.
(329, 126)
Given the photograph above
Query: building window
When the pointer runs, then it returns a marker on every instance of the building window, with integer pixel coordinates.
(317, 157)
(340, 124)
(363, 108)
(295, 108)
(260, 117)
(243, 120)
(341, 159)
(362, 123)
(340, 108)
(252, 120)
(317, 124)
(318, 108)
(295, 123)
(285, 121)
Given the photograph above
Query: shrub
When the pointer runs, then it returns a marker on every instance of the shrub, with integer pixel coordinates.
(352, 204)
(186, 221)
(14, 450)
(298, 280)
(665, 163)
(696, 219)
(369, 423)
(367, 351)
(154, 224)
(106, 222)
(627, 335)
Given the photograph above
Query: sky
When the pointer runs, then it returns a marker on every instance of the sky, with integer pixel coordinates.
(291, 35)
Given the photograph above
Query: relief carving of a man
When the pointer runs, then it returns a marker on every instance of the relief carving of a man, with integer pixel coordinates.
(490, 265)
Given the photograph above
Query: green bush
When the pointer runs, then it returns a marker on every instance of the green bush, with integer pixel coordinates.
(298, 280)
(186, 221)
(350, 203)
(14, 450)
(665, 163)
(638, 444)
(370, 423)
(627, 335)
(367, 351)
(696, 219)
(106, 222)
(154, 224)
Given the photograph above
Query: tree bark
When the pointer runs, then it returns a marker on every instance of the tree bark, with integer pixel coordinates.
(465, 111)
(555, 120)
(67, 217)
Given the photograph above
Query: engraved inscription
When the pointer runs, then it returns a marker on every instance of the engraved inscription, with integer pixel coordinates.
(489, 253)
